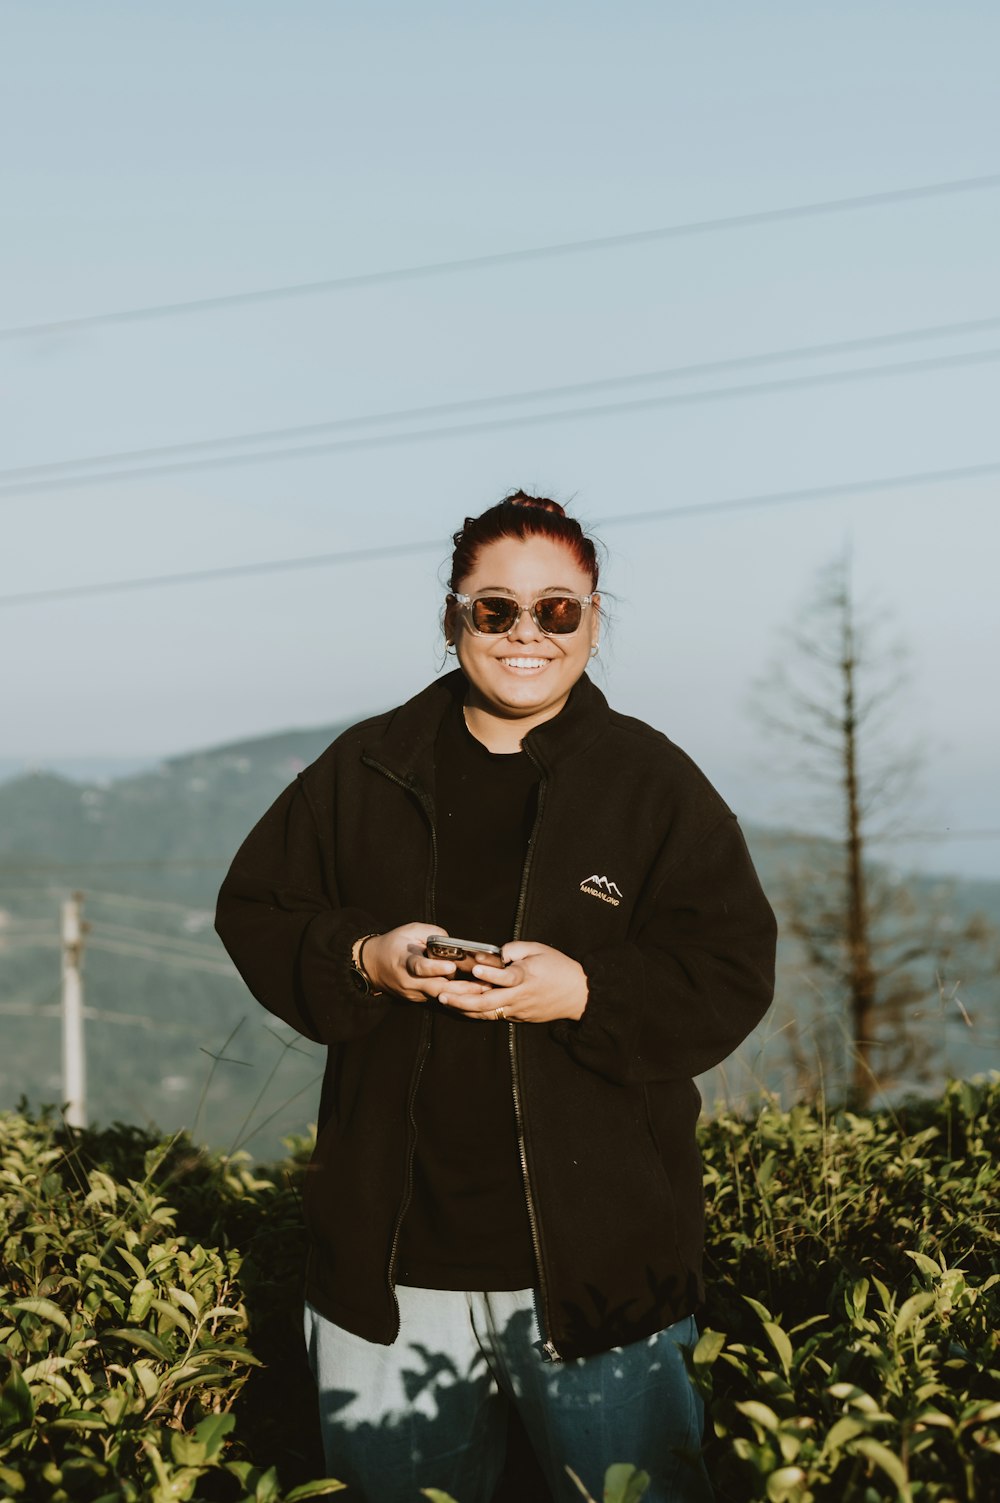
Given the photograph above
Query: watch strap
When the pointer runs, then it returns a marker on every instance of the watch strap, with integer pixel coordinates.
(361, 977)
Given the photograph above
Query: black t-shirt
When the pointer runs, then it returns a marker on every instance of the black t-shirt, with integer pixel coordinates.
(467, 1223)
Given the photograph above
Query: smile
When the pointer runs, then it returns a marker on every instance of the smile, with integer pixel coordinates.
(524, 665)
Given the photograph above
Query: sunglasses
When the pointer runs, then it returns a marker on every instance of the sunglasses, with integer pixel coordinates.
(495, 615)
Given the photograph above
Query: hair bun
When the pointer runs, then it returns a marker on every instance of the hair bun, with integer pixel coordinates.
(523, 517)
(538, 503)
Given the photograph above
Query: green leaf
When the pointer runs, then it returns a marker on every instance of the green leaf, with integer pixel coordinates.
(781, 1344)
(786, 1484)
(760, 1309)
(172, 1315)
(844, 1430)
(212, 1431)
(321, 1490)
(980, 1414)
(14, 1481)
(132, 1261)
(78, 1419)
(911, 1309)
(185, 1299)
(624, 1483)
(436, 1495)
(17, 1408)
(44, 1309)
(144, 1340)
(888, 1461)
(710, 1344)
(759, 1414)
(186, 1450)
(925, 1264)
(141, 1299)
(858, 1297)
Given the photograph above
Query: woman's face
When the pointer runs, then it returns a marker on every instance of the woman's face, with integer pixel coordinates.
(524, 675)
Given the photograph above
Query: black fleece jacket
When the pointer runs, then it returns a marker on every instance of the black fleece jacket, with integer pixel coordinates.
(638, 869)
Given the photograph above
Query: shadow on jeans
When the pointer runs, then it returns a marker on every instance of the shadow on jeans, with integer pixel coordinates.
(278, 1414)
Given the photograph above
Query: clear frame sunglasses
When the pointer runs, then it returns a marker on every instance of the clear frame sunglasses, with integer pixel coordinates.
(493, 614)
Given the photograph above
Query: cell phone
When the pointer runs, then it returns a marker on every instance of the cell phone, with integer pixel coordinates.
(444, 947)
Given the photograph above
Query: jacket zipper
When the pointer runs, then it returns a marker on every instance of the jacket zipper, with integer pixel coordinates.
(515, 1080)
(425, 1039)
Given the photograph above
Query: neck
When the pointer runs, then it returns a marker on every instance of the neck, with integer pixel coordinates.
(498, 733)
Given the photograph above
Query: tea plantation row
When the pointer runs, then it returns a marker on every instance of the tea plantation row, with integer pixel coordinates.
(850, 1349)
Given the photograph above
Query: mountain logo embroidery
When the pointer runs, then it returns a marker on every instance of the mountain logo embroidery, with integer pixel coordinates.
(600, 887)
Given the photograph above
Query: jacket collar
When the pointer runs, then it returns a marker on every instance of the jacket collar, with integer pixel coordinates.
(406, 747)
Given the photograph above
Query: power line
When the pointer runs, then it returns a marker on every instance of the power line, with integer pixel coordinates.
(525, 420)
(192, 948)
(20, 473)
(810, 210)
(161, 957)
(884, 483)
(921, 836)
(86, 865)
(130, 900)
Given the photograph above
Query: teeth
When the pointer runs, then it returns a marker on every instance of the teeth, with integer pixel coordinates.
(524, 662)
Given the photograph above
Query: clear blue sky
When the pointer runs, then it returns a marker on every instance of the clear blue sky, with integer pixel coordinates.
(161, 153)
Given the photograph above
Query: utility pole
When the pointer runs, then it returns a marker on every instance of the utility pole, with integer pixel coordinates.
(74, 1061)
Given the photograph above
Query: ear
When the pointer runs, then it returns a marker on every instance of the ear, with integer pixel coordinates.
(595, 620)
(450, 623)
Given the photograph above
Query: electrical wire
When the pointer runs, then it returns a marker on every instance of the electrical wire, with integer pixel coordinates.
(161, 957)
(127, 899)
(810, 210)
(885, 483)
(495, 425)
(15, 475)
(190, 947)
(87, 865)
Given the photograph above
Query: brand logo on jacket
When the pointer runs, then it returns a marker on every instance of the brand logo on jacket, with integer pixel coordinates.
(600, 887)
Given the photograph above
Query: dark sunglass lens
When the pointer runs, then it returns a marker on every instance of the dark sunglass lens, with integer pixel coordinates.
(558, 613)
(493, 614)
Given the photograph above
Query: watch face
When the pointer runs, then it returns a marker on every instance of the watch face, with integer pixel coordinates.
(360, 981)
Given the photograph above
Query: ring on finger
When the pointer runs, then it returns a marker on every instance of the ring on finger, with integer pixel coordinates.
(499, 1014)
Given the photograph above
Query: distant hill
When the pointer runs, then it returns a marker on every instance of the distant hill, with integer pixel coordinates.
(192, 809)
(148, 852)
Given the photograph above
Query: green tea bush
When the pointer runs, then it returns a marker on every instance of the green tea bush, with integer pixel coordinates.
(125, 1343)
(851, 1342)
(151, 1298)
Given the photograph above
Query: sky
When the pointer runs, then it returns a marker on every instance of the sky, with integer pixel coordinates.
(159, 155)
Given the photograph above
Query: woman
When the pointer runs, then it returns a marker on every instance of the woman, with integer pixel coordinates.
(505, 1201)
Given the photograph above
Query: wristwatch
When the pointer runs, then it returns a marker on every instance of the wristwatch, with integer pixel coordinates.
(362, 980)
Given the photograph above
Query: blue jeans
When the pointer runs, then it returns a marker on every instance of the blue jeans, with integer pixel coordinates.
(431, 1410)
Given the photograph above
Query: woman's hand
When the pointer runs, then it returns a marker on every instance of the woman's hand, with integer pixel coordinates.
(538, 985)
(395, 962)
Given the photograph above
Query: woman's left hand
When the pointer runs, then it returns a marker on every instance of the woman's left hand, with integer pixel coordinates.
(537, 985)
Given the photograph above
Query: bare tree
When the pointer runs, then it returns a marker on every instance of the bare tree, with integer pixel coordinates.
(873, 954)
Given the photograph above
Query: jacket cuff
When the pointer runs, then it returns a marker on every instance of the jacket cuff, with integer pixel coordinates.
(338, 1007)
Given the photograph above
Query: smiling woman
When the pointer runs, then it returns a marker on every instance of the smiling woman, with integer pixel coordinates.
(516, 1207)
(523, 624)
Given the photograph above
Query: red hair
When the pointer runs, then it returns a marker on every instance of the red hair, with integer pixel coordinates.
(520, 516)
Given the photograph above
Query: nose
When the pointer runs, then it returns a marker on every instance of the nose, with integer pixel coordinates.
(524, 628)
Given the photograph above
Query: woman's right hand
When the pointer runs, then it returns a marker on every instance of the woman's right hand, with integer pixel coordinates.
(395, 962)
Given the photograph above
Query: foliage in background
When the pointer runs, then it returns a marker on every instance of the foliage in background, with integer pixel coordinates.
(850, 1349)
(877, 958)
